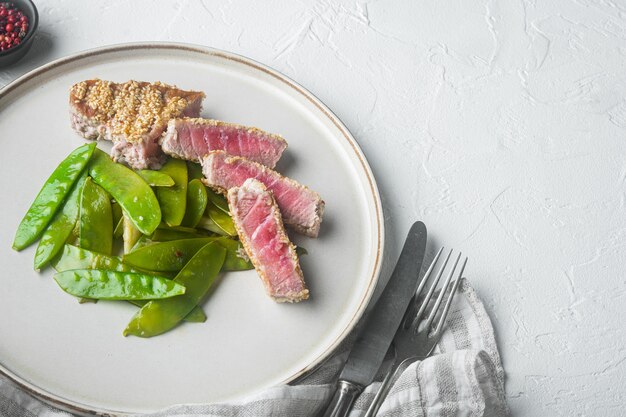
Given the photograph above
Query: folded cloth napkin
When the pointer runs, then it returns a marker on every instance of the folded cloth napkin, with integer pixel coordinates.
(464, 377)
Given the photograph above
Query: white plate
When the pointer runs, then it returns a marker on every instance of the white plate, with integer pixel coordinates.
(74, 355)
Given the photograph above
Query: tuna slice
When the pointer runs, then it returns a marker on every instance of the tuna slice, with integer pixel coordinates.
(301, 208)
(260, 227)
(191, 139)
(132, 115)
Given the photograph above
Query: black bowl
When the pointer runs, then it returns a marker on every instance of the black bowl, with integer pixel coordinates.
(12, 55)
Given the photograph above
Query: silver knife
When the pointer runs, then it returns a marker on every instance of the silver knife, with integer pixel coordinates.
(381, 324)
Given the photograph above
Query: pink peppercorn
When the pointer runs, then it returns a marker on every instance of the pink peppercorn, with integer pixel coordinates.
(13, 26)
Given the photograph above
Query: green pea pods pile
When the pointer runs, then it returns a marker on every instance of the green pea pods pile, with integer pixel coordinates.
(175, 234)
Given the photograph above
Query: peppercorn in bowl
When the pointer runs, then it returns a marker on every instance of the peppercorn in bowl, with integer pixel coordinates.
(18, 24)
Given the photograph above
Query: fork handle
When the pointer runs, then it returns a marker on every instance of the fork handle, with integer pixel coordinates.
(385, 386)
(342, 401)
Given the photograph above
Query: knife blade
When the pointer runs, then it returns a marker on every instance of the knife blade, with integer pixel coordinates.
(375, 338)
(381, 324)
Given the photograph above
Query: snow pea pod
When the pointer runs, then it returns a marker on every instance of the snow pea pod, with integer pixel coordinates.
(127, 188)
(219, 200)
(61, 226)
(51, 196)
(73, 257)
(96, 219)
(130, 234)
(117, 212)
(114, 285)
(166, 256)
(165, 235)
(119, 228)
(206, 223)
(221, 219)
(195, 171)
(173, 255)
(159, 316)
(196, 203)
(195, 316)
(156, 178)
(173, 200)
(236, 257)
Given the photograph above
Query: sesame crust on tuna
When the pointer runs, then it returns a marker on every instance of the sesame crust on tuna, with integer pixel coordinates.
(132, 109)
(293, 297)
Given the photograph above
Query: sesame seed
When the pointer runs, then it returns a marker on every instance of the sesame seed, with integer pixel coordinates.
(132, 109)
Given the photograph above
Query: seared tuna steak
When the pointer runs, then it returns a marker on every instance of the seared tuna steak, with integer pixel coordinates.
(260, 228)
(191, 139)
(133, 115)
(301, 207)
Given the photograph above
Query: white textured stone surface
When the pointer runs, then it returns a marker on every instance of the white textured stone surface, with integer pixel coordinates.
(501, 124)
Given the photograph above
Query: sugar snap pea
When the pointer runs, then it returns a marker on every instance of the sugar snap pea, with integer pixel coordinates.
(166, 256)
(73, 257)
(173, 200)
(173, 255)
(221, 219)
(219, 200)
(165, 235)
(117, 212)
(159, 316)
(61, 226)
(236, 257)
(141, 242)
(132, 193)
(119, 228)
(195, 316)
(196, 203)
(96, 219)
(195, 171)
(130, 234)
(156, 178)
(51, 196)
(115, 285)
(207, 224)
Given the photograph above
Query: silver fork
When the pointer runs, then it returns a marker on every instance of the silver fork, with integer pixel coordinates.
(415, 339)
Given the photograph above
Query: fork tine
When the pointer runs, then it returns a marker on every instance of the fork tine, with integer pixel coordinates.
(446, 308)
(429, 295)
(442, 293)
(410, 311)
(428, 272)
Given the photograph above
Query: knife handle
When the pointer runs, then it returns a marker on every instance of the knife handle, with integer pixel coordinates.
(342, 401)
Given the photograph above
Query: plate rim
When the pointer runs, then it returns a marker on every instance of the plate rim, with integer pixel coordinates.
(73, 406)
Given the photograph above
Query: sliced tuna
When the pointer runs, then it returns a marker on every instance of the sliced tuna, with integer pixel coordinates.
(133, 115)
(260, 228)
(301, 208)
(192, 139)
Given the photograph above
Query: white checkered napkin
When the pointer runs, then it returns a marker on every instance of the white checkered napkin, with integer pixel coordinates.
(463, 378)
